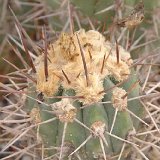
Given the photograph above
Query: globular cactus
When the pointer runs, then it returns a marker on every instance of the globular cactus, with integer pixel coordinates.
(83, 84)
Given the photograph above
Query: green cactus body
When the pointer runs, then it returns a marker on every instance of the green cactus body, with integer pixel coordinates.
(29, 104)
(134, 106)
(95, 113)
(74, 134)
(123, 123)
(47, 131)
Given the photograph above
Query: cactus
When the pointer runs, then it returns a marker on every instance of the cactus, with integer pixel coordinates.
(79, 95)
(83, 71)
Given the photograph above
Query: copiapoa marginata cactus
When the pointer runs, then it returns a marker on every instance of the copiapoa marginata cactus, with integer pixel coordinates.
(83, 84)
(80, 97)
